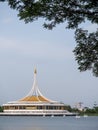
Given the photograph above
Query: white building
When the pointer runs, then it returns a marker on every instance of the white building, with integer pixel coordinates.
(35, 104)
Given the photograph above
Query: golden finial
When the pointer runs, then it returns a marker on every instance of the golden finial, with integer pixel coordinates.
(35, 71)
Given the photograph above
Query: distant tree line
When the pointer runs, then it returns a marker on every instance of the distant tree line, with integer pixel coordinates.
(94, 111)
(86, 110)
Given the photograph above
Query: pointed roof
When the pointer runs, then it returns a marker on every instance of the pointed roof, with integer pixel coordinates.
(35, 95)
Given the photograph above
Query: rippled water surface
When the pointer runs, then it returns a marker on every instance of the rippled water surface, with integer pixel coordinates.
(47, 123)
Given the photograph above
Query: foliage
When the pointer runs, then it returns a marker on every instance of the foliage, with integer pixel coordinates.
(68, 108)
(86, 111)
(87, 50)
(72, 12)
(96, 109)
(1, 109)
(90, 111)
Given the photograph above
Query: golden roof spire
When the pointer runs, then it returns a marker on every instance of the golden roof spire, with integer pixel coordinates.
(35, 71)
(35, 94)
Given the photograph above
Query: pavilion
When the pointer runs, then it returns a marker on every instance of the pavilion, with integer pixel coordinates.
(35, 104)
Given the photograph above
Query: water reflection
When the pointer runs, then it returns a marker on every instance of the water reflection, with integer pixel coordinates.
(48, 123)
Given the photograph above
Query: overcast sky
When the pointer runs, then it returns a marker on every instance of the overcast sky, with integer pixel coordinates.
(25, 46)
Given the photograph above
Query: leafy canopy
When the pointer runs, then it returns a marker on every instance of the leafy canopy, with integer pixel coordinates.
(74, 12)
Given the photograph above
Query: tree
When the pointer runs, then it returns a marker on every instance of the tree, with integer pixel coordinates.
(1, 109)
(68, 107)
(72, 12)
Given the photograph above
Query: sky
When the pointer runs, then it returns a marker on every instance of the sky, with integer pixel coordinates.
(26, 46)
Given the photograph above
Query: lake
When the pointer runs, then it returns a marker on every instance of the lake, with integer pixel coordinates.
(48, 123)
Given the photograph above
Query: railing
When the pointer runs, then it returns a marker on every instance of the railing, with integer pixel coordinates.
(37, 111)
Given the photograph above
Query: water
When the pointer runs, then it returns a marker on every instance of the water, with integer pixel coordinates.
(47, 123)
